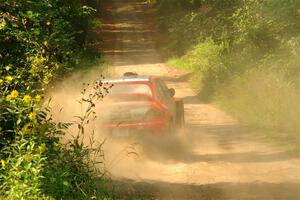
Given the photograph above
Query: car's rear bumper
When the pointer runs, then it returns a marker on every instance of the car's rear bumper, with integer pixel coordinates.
(135, 128)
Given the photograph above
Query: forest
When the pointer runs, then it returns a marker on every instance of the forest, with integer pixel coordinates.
(244, 55)
(41, 42)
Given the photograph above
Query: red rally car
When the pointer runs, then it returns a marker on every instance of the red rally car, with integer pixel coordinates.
(141, 104)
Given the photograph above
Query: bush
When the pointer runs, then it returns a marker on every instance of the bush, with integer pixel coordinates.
(249, 65)
(205, 59)
(39, 41)
(34, 165)
(263, 98)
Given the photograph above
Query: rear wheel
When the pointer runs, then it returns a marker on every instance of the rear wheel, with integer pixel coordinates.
(179, 118)
(171, 128)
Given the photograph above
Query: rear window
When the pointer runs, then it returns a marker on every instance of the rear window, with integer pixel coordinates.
(130, 89)
(125, 113)
(124, 98)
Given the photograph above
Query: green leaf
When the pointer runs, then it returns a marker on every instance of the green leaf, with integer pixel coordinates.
(29, 14)
(19, 121)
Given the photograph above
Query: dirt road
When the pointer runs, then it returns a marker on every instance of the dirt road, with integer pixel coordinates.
(217, 159)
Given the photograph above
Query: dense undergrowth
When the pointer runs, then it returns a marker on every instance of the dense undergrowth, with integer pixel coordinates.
(244, 55)
(40, 41)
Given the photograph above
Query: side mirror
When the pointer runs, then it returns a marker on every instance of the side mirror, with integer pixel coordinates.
(172, 92)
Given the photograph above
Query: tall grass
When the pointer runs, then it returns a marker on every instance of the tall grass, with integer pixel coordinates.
(244, 56)
(263, 98)
(40, 41)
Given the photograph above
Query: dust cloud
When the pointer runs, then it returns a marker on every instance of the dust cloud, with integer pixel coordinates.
(209, 159)
(215, 158)
(65, 97)
(123, 156)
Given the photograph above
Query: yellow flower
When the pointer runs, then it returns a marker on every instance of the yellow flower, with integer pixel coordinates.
(14, 94)
(8, 97)
(9, 78)
(38, 98)
(27, 99)
(32, 116)
(1, 81)
(3, 164)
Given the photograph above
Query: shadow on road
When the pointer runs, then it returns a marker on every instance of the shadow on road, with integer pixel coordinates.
(220, 191)
(181, 148)
(127, 39)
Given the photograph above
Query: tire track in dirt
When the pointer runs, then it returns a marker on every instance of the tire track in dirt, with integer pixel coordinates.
(218, 158)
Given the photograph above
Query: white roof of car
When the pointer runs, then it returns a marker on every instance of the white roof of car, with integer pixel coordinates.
(127, 79)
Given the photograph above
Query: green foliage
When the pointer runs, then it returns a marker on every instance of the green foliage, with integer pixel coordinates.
(190, 22)
(250, 31)
(244, 54)
(267, 100)
(25, 132)
(34, 165)
(205, 59)
(244, 92)
(25, 164)
(39, 41)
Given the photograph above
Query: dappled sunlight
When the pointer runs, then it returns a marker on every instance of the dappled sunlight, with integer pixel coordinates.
(128, 40)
